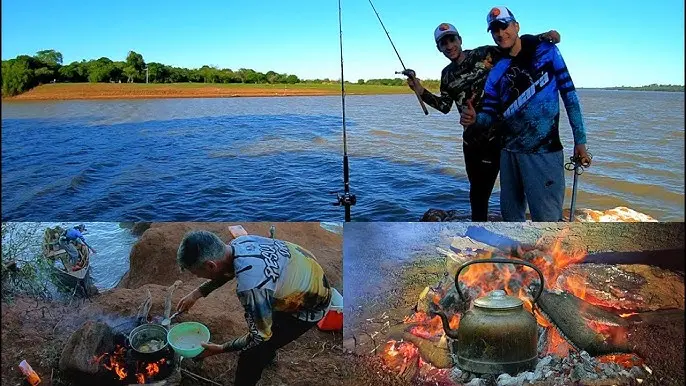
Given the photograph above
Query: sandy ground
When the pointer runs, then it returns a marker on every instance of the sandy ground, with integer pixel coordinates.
(36, 332)
(151, 91)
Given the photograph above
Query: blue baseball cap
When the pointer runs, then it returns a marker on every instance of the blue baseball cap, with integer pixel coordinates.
(499, 15)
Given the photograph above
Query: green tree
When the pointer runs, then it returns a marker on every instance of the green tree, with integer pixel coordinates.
(50, 57)
(134, 66)
(22, 273)
(228, 76)
(209, 74)
(101, 70)
(73, 72)
(157, 72)
(17, 77)
(271, 77)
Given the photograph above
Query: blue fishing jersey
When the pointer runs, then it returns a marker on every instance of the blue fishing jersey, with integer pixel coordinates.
(523, 93)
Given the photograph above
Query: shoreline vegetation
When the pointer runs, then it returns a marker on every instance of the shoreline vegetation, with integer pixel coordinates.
(44, 77)
(103, 91)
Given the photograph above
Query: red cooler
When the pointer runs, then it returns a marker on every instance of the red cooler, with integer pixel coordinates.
(333, 320)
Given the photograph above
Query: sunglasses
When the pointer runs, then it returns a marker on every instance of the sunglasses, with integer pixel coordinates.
(498, 26)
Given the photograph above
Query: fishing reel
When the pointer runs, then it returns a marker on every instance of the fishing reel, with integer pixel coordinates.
(575, 164)
(408, 73)
(347, 199)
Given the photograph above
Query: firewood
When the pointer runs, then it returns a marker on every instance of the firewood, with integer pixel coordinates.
(565, 312)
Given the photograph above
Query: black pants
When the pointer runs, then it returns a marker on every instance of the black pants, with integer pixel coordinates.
(251, 362)
(482, 164)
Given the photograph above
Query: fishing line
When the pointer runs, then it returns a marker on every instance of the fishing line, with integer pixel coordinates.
(408, 73)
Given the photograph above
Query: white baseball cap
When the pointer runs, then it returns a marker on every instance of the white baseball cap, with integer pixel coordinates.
(445, 29)
(499, 14)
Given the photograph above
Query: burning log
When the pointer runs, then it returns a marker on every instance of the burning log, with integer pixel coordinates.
(633, 288)
(601, 335)
(444, 296)
(435, 352)
(90, 340)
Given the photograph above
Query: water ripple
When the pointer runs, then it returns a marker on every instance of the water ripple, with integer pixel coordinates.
(254, 159)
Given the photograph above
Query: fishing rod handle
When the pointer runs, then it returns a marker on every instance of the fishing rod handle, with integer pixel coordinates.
(421, 102)
(411, 74)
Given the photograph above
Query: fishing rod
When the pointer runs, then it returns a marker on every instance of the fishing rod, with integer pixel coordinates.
(347, 200)
(408, 73)
(575, 164)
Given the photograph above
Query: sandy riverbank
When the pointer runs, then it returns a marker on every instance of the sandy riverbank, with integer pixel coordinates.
(99, 91)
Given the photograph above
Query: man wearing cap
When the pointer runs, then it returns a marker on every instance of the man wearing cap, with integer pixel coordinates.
(522, 93)
(72, 238)
(282, 288)
(462, 83)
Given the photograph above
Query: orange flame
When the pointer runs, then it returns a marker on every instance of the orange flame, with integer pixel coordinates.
(614, 334)
(541, 320)
(428, 329)
(398, 355)
(116, 363)
(515, 281)
(152, 369)
(576, 285)
(557, 345)
(454, 321)
(625, 360)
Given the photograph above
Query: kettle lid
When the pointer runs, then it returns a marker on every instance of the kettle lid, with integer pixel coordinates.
(498, 300)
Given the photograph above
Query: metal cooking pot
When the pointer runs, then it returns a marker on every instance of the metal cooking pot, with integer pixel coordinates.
(497, 335)
(145, 333)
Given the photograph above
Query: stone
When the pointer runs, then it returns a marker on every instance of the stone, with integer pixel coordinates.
(456, 374)
(544, 362)
(528, 376)
(89, 341)
(475, 382)
(508, 380)
(578, 373)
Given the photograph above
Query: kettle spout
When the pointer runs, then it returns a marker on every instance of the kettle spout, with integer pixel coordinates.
(446, 324)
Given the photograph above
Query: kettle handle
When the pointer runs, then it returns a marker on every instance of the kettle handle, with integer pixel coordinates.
(499, 260)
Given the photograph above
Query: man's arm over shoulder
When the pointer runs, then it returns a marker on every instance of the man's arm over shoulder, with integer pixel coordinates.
(491, 102)
(257, 304)
(569, 95)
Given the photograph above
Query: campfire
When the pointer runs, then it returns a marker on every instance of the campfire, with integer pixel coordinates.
(583, 333)
(123, 367)
(103, 352)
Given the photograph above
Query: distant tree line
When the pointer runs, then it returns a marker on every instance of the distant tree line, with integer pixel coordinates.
(651, 87)
(428, 83)
(25, 72)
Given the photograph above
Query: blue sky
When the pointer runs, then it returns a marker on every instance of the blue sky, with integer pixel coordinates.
(605, 43)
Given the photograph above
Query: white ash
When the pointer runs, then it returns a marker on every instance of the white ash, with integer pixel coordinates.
(578, 368)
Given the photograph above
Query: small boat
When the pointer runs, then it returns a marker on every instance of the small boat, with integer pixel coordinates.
(62, 266)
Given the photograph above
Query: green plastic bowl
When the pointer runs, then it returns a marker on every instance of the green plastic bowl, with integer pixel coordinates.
(185, 338)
